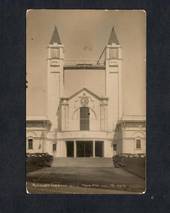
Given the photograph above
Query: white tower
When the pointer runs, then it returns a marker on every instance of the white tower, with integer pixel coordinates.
(113, 80)
(54, 77)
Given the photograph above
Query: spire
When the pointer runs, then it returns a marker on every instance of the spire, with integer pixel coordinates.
(113, 37)
(55, 37)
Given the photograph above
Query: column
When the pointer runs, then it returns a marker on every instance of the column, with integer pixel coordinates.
(75, 149)
(44, 140)
(93, 148)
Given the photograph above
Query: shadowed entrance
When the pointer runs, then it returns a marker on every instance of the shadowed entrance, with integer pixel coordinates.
(84, 148)
(70, 148)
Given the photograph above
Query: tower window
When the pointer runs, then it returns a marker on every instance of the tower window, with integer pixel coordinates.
(30, 143)
(113, 53)
(54, 53)
(84, 118)
(138, 144)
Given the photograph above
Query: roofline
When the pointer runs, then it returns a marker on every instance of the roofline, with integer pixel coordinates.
(84, 66)
(93, 94)
(36, 118)
(113, 37)
(133, 117)
(55, 38)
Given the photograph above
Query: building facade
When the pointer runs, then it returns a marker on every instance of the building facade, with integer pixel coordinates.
(86, 122)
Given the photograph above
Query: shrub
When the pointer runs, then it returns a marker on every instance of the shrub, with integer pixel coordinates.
(38, 160)
(132, 163)
(119, 161)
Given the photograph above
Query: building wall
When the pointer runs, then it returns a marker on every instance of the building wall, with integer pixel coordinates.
(127, 136)
(129, 140)
(63, 108)
(70, 113)
(61, 149)
(37, 139)
(92, 79)
(108, 149)
(62, 152)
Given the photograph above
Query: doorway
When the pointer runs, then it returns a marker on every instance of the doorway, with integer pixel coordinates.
(98, 148)
(70, 148)
(84, 148)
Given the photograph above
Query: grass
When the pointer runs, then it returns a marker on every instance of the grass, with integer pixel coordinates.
(136, 166)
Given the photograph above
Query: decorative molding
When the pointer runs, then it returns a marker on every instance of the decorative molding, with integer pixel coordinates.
(84, 100)
(88, 91)
(84, 66)
(38, 124)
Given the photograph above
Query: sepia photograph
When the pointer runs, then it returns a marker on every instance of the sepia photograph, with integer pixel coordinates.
(85, 101)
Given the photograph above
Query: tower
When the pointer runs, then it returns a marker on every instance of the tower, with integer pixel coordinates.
(113, 80)
(54, 77)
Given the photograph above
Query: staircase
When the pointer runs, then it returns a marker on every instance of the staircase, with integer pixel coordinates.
(82, 162)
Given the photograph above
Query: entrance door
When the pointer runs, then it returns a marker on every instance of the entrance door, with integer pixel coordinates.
(70, 148)
(84, 148)
(99, 148)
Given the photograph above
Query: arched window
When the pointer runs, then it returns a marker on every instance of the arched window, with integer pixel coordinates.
(113, 53)
(30, 143)
(54, 53)
(84, 118)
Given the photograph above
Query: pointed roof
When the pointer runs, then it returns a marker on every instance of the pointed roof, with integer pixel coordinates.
(88, 91)
(113, 37)
(55, 37)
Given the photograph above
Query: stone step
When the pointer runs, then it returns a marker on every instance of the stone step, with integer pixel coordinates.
(82, 162)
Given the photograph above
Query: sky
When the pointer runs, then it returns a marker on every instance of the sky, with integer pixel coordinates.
(84, 34)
